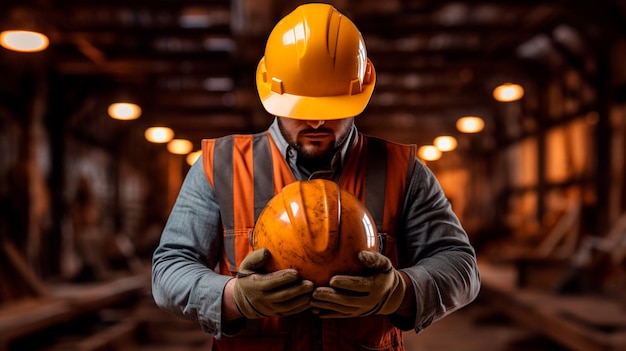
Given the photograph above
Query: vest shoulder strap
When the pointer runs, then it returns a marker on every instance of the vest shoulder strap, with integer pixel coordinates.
(377, 172)
(240, 164)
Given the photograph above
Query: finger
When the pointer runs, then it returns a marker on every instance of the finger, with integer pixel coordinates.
(334, 307)
(303, 288)
(352, 283)
(295, 305)
(297, 309)
(374, 260)
(255, 261)
(275, 280)
(333, 297)
(326, 314)
(329, 313)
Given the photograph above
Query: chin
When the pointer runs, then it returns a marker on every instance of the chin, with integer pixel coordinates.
(314, 152)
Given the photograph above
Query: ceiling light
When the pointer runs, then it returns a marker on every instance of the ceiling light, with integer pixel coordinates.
(179, 146)
(445, 143)
(125, 111)
(159, 135)
(23, 30)
(508, 92)
(429, 153)
(470, 124)
(24, 40)
(192, 157)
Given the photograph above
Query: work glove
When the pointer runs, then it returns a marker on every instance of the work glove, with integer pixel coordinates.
(259, 294)
(352, 296)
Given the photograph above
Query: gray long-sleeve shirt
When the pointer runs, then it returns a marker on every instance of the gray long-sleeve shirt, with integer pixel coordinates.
(434, 250)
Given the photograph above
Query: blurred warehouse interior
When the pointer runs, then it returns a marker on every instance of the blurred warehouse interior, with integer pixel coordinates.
(540, 186)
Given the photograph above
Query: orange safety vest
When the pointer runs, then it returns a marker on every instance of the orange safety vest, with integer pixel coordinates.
(246, 171)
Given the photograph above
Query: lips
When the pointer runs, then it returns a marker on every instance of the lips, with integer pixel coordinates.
(316, 134)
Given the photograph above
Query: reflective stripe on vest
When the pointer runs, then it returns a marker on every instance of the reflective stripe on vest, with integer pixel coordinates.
(263, 181)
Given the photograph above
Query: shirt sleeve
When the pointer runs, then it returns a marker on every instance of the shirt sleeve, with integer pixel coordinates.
(184, 281)
(435, 252)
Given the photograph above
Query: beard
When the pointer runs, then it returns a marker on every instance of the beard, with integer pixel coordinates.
(314, 151)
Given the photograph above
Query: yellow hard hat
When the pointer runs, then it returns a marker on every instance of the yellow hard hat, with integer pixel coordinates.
(316, 228)
(315, 66)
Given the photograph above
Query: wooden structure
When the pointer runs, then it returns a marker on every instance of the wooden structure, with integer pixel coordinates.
(29, 306)
(578, 322)
(577, 316)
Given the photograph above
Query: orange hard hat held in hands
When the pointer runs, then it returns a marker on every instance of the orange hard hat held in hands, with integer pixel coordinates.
(317, 229)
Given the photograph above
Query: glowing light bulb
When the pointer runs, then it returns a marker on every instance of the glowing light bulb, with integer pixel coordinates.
(179, 146)
(24, 41)
(429, 153)
(159, 135)
(193, 156)
(508, 92)
(445, 143)
(125, 111)
(470, 124)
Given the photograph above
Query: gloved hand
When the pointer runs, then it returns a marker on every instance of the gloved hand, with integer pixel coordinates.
(279, 293)
(353, 296)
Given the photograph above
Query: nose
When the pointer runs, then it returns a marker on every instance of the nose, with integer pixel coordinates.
(315, 124)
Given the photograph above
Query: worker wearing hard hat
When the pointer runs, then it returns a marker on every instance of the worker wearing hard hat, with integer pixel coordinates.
(315, 77)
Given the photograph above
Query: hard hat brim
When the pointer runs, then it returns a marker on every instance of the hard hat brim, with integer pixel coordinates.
(313, 108)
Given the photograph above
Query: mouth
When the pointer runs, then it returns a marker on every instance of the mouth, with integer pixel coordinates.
(318, 134)
(315, 135)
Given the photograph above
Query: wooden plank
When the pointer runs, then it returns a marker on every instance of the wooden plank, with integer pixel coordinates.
(23, 269)
(548, 321)
(30, 315)
(596, 311)
(117, 337)
(94, 296)
(68, 301)
(548, 314)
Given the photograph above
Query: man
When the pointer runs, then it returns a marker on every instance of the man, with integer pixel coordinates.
(315, 78)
